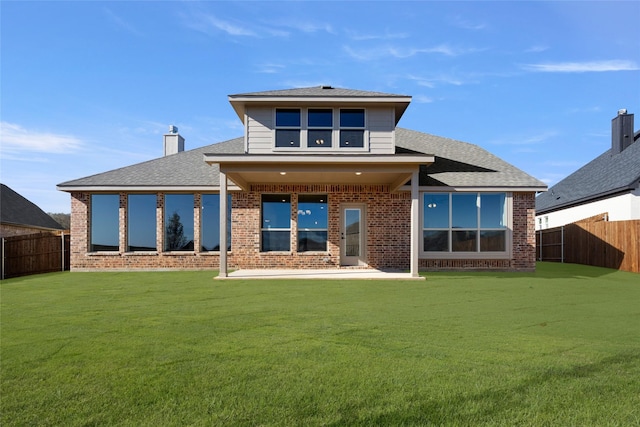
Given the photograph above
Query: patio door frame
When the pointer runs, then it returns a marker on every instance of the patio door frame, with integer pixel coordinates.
(361, 258)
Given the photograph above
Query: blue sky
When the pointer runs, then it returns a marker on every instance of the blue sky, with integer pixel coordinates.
(87, 87)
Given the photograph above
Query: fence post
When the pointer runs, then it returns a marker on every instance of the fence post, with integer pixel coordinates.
(62, 252)
(562, 245)
(540, 242)
(2, 275)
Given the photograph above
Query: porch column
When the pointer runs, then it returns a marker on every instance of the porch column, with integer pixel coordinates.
(415, 224)
(223, 225)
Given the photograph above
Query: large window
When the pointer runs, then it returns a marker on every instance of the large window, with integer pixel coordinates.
(210, 222)
(178, 222)
(276, 222)
(320, 128)
(464, 222)
(141, 222)
(312, 223)
(352, 128)
(287, 127)
(104, 222)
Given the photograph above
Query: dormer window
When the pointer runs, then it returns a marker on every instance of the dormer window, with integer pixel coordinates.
(352, 128)
(287, 127)
(320, 128)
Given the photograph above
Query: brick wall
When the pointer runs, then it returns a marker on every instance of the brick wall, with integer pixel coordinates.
(387, 243)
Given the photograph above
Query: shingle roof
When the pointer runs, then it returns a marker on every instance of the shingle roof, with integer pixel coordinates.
(184, 169)
(318, 91)
(605, 175)
(16, 210)
(458, 164)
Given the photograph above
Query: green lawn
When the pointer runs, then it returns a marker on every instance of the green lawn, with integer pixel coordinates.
(558, 347)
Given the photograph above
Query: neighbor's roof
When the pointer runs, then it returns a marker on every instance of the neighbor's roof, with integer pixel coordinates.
(16, 210)
(605, 175)
(458, 164)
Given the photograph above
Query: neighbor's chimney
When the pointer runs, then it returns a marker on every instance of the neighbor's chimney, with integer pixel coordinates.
(173, 142)
(621, 131)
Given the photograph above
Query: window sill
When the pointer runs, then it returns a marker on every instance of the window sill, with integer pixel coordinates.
(465, 255)
(150, 253)
(104, 253)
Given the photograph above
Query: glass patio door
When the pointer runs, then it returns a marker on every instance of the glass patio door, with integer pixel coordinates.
(352, 247)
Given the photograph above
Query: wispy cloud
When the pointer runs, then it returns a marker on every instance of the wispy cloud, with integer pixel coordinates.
(467, 24)
(121, 22)
(582, 67)
(529, 139)
(353, 35)
(537, 49)
(270, 68)
(433, 81)
(422, 99)
(310, 27)
(15, 139)
(210, 24)
(380, 52)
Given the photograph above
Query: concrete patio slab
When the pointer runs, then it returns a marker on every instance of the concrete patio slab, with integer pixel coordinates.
(321, 274)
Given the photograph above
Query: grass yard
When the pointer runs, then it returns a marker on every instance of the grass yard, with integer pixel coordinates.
(558, 347)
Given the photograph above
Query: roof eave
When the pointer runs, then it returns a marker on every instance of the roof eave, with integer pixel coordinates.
(584, 200)
(239, 102)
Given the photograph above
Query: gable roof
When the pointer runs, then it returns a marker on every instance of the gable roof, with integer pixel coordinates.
(16, 210)
(458, 164)
(605, 175)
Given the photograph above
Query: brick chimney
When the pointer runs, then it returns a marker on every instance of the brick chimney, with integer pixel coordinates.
(621, 131)
(173, 142)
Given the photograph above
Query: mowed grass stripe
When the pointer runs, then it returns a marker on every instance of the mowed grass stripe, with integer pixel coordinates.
(557, 347)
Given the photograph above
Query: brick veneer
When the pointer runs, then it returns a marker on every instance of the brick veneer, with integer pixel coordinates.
(387, 244)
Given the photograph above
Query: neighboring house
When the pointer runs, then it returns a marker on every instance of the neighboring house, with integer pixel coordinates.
(322, 178)
(609, 185)
(18, 216)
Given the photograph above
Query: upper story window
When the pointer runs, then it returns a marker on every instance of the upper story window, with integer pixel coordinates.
(352, 128)
(288, 127)
(320, 128)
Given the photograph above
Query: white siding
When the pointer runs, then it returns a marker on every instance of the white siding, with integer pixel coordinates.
(259, 133)
(618, 208)
(380, 122)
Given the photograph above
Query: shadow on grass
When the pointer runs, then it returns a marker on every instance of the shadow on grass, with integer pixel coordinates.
(544, 270)
(487, 406)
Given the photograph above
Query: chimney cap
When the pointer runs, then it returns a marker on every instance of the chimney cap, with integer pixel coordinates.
(173, 129)
(622, 111)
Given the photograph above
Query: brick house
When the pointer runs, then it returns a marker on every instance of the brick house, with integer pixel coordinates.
(322, 178)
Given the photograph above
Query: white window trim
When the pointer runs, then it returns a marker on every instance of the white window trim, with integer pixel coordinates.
(507, 254)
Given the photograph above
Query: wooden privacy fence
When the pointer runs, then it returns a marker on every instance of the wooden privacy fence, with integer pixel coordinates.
(34, 253)
(613, 244)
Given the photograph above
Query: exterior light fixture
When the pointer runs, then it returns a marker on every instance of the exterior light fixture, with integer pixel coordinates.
(283, 173)
(358, 173)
